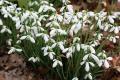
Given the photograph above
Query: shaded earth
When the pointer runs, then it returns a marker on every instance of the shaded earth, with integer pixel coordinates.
(14, 67)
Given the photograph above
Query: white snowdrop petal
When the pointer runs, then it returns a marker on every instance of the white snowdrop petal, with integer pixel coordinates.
(114, 40)
(54, 64)
(19, 50)
(60, 63)
(11, 50)
(87, 67)
(106, 64)
(111, 19)
(116, 30)
(3, 30)
(9, 31)
(92, 49)
(75, 78)
(95, 58)
(92, 64)
(51, 56)
(85, 57)
(78, 47)
(46, 38)
(65, 50)
(69, 54)
(89, 76)
(112, 29)
(32, 39)
(109, 58)
(1, 23)
(23, 37)
(70, 8)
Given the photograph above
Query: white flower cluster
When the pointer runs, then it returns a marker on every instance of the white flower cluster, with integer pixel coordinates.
(54, 30)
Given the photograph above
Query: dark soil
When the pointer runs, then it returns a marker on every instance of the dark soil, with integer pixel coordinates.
(14, 67)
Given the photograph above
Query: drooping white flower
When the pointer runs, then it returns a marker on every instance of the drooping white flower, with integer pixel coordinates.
(46, 37)
(34, 59)
(92, 64)
(115, 30)
(92, 50)
(70, 8)
(91, 14)
(106, 64)
(9, 42)
(13, 49)
(87, 66)
(1, 2)
(5, 29)
(75, 78)
(1, 23)
(77, 27)
(68, 54)
(96, 59)
(78, 47)
(111, 19)
(85, 57)
(28, 37)
(89, 76)
(59, 17)
(57, 62)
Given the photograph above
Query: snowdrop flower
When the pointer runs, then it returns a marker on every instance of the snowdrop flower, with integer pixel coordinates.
(111, 19)
(46, 38)
(5, 12)
(75, 78)
(96, 59)
(52, 33)
(76, 39)
(55, 23)
(50, 54)
(85, 57)
(92, 50)
(79, 15)
(91, 14)
(1, 23)
(67, 17)
(9, 42)
(65, 50)
(95, 43)
(28, 37)
(5, 29)
(115, 29)
(34, 59)
(78, 47)
(59, 17)
(57, 62)
(65, 2)
(68, 54)
(13, 49)
(70, 8)
(87, 66)
(75, 19)
(61, 45)
(45, 8)
(1, 2)
(100, 36)
(25, 16)
(77, 27)
(89, 76)
(105, 62)
(106, 27)
(113, 39)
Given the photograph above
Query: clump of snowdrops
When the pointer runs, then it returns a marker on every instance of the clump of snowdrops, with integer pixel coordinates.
(67, 43)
